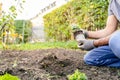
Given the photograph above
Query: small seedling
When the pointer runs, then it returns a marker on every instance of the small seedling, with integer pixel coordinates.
(8, 77)
(77, 76)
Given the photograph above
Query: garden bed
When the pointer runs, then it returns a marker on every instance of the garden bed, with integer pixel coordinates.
(51, 64)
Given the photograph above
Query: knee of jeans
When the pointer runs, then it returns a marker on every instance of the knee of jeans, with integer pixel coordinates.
(85, 58)
(114, 43)
(114, 38)
(92, 60)
(88, 59)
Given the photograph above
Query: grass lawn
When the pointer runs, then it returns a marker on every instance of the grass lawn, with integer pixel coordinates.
(43, 45)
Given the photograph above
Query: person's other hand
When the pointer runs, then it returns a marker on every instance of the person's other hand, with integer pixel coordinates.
(85, 44)
(80, 31)
(85, 32)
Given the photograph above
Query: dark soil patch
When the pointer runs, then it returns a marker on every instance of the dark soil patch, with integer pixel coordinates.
(51, 64)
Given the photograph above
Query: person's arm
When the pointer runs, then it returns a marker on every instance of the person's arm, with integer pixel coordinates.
(104, 35)
(111, 26)
(101, 41)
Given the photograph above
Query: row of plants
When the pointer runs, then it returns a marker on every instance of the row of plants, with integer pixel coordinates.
(87, 14)
(77, 75)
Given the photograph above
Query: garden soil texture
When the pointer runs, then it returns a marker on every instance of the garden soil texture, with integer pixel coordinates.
(51, 64)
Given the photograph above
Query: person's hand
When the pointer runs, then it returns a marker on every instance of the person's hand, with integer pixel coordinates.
(85, 33)
(77, 30)
(85, 44)
(80, 31)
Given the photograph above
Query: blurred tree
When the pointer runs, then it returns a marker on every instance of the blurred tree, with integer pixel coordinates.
(7, 28)
(0, 9)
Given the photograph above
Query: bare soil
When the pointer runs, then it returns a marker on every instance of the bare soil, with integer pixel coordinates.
(51, 64)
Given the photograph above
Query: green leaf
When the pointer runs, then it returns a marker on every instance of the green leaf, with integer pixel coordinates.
(77, 76)
(8, 77)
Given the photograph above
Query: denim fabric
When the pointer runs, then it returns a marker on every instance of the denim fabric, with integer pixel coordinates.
(108, 55)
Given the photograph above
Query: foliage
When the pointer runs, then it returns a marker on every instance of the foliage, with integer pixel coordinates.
(0, 46)
(44, 45)
(0, 8)
(7, 28)
(77, 76)
(87, 14)
(8, 77)
(23, 28)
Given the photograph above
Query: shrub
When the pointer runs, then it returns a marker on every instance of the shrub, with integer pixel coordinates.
(87, 14)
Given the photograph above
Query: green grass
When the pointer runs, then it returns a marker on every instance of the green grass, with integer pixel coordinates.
(0, 46)
(44, 45)
(8, 77)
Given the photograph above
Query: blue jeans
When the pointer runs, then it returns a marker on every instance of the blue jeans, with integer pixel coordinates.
(108, 55)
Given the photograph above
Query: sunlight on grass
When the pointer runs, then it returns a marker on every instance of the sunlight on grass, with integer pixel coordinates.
(44, 45)
(1, 46)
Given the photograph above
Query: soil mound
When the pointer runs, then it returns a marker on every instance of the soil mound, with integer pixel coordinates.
(51, 64)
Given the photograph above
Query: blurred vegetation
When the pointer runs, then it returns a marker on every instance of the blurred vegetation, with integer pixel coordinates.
(0, 16)
(23, 28)
(87, 14)
(7, 18)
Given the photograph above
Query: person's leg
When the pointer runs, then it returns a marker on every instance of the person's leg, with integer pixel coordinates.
(102, 56)
(106, 55)
(114, 43)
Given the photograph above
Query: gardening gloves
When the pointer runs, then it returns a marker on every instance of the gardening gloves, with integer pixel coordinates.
(80, 36)
(76, 30)
(80, 31)
(85, 44)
